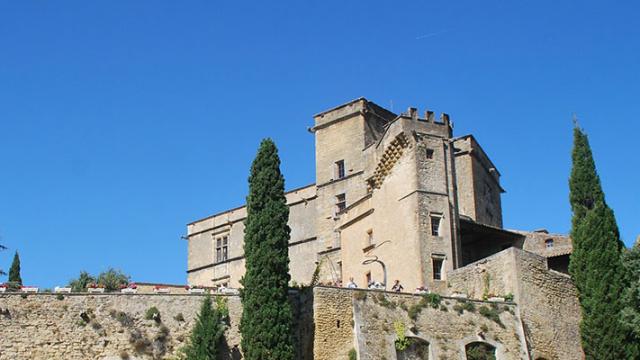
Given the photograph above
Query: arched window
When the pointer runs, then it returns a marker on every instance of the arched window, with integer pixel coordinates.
(480, 351)
(417, 350)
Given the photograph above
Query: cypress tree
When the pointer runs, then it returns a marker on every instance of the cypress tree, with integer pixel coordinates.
(631, 296)
(14, 271)
(208, 331)
(266, 323)
(595, 263)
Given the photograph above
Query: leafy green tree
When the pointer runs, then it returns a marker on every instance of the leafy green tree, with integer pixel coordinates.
(266, 323)
(595, 264)
(112, 279)
(80, 284)
(208, 331)
(631, 295)
(15, 279)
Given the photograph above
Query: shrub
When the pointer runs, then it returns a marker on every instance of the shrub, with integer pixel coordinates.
(80, 284)
(152, 314)
(491, 313)
(60, 297)
(468, 306)
(208, 330)
(123, 318)
(113, 279)
(432, 300)
(384, 302)
(508, 297)
(402, 342)
(353, 355)
(414, 311)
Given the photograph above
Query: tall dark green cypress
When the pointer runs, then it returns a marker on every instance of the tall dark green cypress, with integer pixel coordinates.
(266, 323)
(595, 263)
(14, 271)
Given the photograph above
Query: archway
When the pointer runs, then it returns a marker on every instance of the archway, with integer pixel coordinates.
(480, 351)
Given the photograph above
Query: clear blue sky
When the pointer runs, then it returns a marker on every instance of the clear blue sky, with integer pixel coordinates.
(122, 121)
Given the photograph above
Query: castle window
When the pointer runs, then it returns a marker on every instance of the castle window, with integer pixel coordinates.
(369, 237)
(341, 203)
(435, 224)
(222, 249)
(429, 153)
(548, 243)
(340, 169)
(367, 278)
(438, 263)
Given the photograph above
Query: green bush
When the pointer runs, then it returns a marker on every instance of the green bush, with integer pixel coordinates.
(208, 330)
(414, 311)
(353, 355)
(491, 313)
(432, 300)
(60, 297)
(113, 279)
(152, 314)
(402, 342)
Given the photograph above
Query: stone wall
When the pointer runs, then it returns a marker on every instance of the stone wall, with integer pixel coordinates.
(107, 326)
(113, 326)
(366, 321)
(547, 299)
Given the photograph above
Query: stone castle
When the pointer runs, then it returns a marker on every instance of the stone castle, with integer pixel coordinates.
(398, 197)
(395, 197)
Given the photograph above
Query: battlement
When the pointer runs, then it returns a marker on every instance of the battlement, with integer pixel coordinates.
(429, 116)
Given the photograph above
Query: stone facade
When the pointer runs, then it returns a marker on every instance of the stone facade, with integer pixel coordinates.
(382, 182)
(397, 196)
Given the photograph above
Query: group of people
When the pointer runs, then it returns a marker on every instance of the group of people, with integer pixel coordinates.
(375, 285)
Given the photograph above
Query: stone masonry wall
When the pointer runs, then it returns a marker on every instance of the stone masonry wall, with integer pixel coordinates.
(547, 299)
(366, 322)
(44, 326)
(113, 326)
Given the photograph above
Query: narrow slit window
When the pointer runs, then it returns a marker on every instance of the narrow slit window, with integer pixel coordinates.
(340, 169)
(225, 248)
(341, 202)
(435, 225)
(369, 237)
(218, 250)
(437, 268)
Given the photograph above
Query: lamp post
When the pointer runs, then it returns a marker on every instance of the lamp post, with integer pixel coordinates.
(384, 268)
